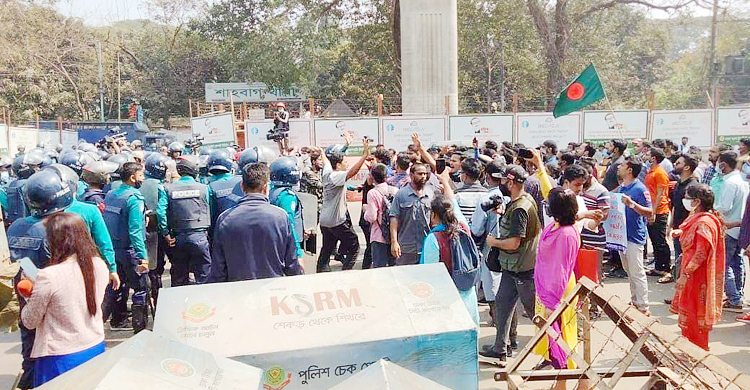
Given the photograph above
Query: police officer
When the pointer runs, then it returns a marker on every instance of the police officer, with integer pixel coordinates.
(24, 166)
(45, 193)
(176, 149)
(96, 175)
(76, 160)
(223, 182)
(248, 156)
(125, 217)
(155, 196)
(116, 180)
(203, 175)
(285, 175)
(189, 218)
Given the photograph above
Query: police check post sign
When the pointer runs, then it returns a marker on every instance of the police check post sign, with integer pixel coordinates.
(315, 331)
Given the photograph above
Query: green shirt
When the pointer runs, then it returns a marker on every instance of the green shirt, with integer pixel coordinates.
(98, 229)
(520, 220)
(289, 202)
(136, 220)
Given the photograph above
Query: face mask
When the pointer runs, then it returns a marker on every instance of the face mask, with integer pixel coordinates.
(688, 204)
(138, 184)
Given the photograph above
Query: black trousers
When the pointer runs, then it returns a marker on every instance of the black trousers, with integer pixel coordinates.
(514, 286)
(657, 232)
(349, 246)
(367, 257)
(116, 302)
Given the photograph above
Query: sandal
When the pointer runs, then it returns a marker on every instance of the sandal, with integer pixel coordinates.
(666, 279)
(744, 318)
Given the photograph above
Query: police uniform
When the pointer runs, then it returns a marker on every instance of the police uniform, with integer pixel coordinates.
(189, 218)
(93, 196)
(287, 199)
(222, 189)
(16, 206)
(92, 216)
(82, 187)
(124, 215)
(155, 197)
(27, 238)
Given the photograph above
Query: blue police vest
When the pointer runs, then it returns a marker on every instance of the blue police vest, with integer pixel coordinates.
(224, 192)
(188, 207)
(16, 206)
(299, 226)
(116, 217)
(27, 238)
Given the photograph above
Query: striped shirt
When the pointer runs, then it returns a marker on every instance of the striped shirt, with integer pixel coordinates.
(595, 198)
(468, 197)
(709, 174)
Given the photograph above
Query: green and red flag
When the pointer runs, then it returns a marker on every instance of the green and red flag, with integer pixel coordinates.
(584, 91)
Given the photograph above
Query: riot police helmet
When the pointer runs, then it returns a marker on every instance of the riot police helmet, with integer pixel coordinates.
(76, 160)
(284, 172)
(156, 166)
(66, 173)
(98, 172)
(187, 165)
(266, 154)
(219, 161)
(248, 156)
(175, 147)
(27, 164)
(47, 192)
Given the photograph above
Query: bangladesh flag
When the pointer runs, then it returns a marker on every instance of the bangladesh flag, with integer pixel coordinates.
(584, 91)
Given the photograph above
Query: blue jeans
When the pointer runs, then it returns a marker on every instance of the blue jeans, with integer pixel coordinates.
(381, 254)
(734, 276)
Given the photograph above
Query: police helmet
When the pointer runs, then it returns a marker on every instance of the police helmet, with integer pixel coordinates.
(6, 162)
(284, 172)
(333, 149)
(46, 160)
(27, 164)
(137, 144)
(103, 154)
(266, 154)
(203, 165)
(86, 147)
(58, 148)
(76, 160)
(187, 165)
(220, 161)
(156, 166)
(98, 172)
(53, 155)
(66, 174)
(47, 192)
(205, 151)
(176, 147)
(94, 155)
(120, 160)
(248, 156)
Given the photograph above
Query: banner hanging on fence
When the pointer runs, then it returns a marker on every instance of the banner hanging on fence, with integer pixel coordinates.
(602, 126)
(256, 131)
(465, 128)
(696, 125)
(397, 131)
(22, 136)
(615, 226)
(330, 131)
(732, 124)
(217, 130)
(532, 129)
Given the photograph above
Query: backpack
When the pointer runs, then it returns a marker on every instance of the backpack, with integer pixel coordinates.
(461, 257)
(385, 218)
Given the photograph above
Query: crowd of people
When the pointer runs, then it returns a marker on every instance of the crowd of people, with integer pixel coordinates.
(507, 220)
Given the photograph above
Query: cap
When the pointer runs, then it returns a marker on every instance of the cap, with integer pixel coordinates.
(515, 173)
(495, 169)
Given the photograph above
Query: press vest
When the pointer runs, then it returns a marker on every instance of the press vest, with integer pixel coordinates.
(523, 258)
(26, 238)
(116, 217)
(16, 206)
(224, 192)
(274, 198)
(188, 207)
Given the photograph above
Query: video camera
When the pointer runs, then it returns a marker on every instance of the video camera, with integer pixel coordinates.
(195, 142)
(277, 134)
(492, 203)
(112, 137)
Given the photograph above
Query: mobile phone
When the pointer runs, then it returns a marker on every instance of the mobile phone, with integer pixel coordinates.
(440, 165)
(525, 153)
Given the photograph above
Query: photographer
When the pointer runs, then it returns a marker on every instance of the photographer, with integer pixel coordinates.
(281, 127)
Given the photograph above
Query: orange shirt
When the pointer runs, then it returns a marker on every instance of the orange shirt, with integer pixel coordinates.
(655, 179)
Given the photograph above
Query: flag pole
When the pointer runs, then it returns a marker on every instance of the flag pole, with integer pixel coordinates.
(609, 104)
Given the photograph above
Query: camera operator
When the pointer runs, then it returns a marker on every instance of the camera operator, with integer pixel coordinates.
(281, 125)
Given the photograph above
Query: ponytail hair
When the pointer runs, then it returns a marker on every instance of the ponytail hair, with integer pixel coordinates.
(443, 209)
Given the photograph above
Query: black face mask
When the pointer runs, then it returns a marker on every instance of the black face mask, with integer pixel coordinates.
(138, 184)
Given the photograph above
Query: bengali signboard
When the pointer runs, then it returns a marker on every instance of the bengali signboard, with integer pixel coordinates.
(732, 123)
(397, 131)
(256, 131)
(497, 128)
(615, 226)
(217, 130)
(602, 126)
(330, 131)
(532, 129)
(697, 125)
(22, 136)
(317, 330)
(252, 93)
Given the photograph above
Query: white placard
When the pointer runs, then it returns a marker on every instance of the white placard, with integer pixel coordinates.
(532, 129)
(217, 130)
(22, 136)
(48, 138)
(299, 133)
(255, 92)
(397, 131)
(600, 126)
(329, 131)
(697, 125)
(732, 124)
(497, 128)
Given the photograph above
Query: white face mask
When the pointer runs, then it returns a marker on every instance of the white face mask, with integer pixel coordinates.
(688, 203)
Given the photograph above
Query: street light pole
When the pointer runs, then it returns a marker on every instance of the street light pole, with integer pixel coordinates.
(101, 82)
(119, 106)
(502, 77)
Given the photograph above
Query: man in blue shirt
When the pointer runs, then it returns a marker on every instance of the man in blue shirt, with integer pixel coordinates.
(636, 198)
(253, 240)
(125, 216)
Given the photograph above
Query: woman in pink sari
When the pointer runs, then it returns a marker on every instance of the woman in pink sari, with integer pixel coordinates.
(700, 287)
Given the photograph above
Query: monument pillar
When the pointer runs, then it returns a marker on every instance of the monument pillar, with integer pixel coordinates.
(429, 56)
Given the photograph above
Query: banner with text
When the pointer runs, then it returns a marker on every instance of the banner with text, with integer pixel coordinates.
(330, 131)
(217, 130)
(696, 125)
(615, 226)
(256, 131)
(255, 92)
(497, 128)
(602, 126)
(397, 131)
(22, 136)
(732, 124)
(532, 129)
